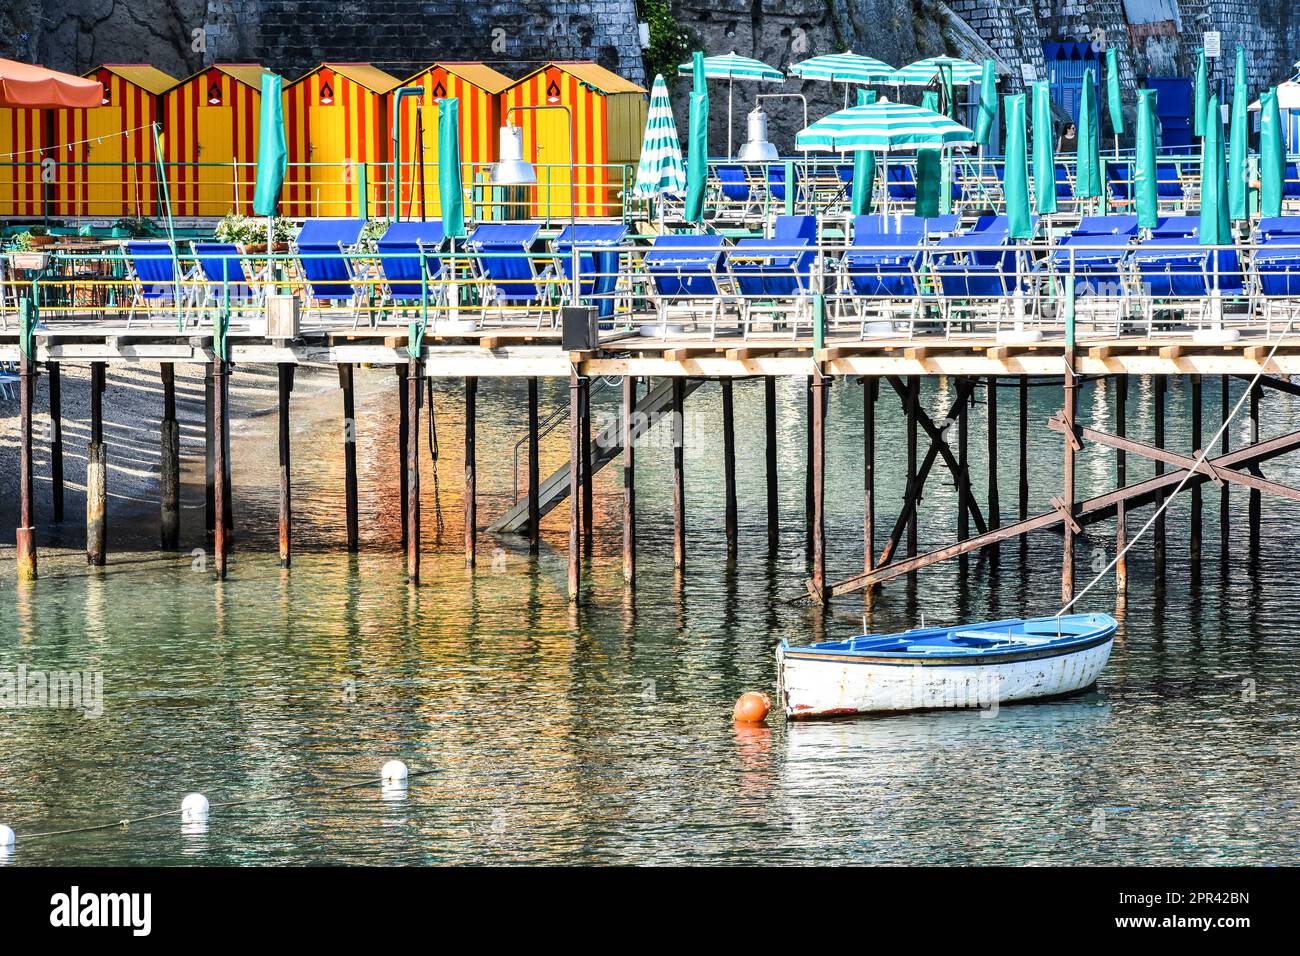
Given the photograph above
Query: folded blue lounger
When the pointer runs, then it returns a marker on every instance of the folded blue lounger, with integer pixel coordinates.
(399, 258)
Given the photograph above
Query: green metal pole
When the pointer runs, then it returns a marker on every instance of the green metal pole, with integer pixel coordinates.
(363, 191)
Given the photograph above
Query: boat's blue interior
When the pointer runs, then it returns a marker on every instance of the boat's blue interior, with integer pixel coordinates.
(985, 637)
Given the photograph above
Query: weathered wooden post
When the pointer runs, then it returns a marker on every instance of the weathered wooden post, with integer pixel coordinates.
(1121, 479)
(209, 456)
(870, 385)
(169, 465)
(629, 481)
(471, 471)
(1194, 538)
(1071, 442)
(1022, 489)
(773, 500)
(25, 533)
(819, 485)
(349, 457)
(1255, 497)
(285, 373)
(913, 400)
(995, 502)
(588, 511)
(414, 378)
(96, 477)
(1158, 529)
(403, 424)
(56, 440)
(534, 470)
(963, 473)
(1225, 446)
(679, 475)
(220, 427)
(731, 521)
(575, 483)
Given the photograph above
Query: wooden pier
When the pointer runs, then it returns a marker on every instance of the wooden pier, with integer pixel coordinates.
(668, 372)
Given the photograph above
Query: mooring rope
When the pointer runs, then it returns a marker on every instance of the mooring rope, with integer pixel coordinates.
(271, 798)
(1196, 467)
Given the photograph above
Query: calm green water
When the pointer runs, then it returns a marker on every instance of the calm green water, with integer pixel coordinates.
(603, 734)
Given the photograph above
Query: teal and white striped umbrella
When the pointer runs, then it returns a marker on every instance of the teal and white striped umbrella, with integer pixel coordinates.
(660, 170)
(922, 72)
(733, 66)
(844, 68)
(883, 128)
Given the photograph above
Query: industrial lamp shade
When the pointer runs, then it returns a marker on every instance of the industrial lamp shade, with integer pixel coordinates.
(512, 169)
(757, 149)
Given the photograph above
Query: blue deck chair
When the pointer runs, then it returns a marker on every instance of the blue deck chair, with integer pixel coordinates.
(323, 247)
(1170, 270)
(1119, 178)
(220, 273)
(735, 188)
(151, 268)
(400, 250)
(1275, 272)
(795, 227)
(776, 182)
(1176, 227)
(1169, 183)
(1273, 228)
(597, 270)
(902, 184)
(973, 268)
(1095, 262)
(684, 269)
(878, 270)
(503, 264)
(1106, 226)
(774, 271)
(1291, 182)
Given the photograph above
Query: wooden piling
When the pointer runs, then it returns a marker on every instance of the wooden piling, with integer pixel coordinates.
(220, 428)
(731, 522)
(56, 441)
(588, 510)
(870, 388)
(1067, 544)
(1121, 479)
(1022, 489)
(169, 465)
(1158, 529)
(285, 373)
(913, 399)
(808, 468)
(819, 485)
(629, 481)
(1224, 499)
(413, 381)
(1255, 497)
(769, 431)
(1194, 537)
(209, 456)
(995, 503)
(96, 477)
(575, 483)
(349, 457)
(471, 471)
(403, 425)
(534, 469)
(963, 471)
(679, 475)
(25, 534)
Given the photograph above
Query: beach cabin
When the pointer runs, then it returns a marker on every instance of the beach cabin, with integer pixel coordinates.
(22, 138)
(338, 133)
(478, 87)
(210, 143)
(608, 122)
(109, 169)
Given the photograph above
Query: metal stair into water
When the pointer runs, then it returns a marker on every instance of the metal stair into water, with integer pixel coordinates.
(605, 447)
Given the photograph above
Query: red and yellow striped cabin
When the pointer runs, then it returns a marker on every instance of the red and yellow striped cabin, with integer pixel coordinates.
(478, 87)
(22, 138)
(210, 143)
(107, 169)
(608, 114)
(336, 121)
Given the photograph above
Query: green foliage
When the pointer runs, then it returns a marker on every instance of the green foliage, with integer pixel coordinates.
(251, 230)
(670, 43)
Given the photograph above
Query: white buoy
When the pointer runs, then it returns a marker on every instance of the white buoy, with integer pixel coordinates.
(394, 774)
(194, 808)
(6, 837)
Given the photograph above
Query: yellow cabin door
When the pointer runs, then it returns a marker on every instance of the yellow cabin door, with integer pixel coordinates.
(329, 172)
(554, 190)
(216, 193)
(19, 174)
(104, 174)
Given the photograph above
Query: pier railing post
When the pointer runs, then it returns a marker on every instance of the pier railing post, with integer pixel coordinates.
(169, 470)
(96, 476)
(629, 481)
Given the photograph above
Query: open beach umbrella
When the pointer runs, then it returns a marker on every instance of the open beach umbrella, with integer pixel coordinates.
(922, 72)
(1087, 170)
(864, 168)
(27, 86)
(987, 112)
(1015, 185)
(732, 67)
(1114, 105)
(1272, 155)
(1044, 150)
(1216, 229)
(697, 170)
(843, 68)
(660, 170)
(1200, 95)
(1238, 145)
(883, 128)
(451, 195)
(1144, 166)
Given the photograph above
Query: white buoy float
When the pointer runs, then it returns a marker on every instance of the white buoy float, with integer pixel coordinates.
(394, 774)
(6, 837)
(194, 808)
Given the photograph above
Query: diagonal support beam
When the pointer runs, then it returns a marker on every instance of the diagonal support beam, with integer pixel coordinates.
(1087, 512)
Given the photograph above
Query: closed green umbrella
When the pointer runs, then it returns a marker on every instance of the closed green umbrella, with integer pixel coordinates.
(1238, 146)
(929, 171)
(1044, 150)
(697, 168)
(451, 195)
(1216, 230)
(987, 112)
(1015, 183)
(272, 155)
(1272, 155)
(1087, 174)
(1201, 95)
(1114, 105)
(864, 168)
(1144, 167)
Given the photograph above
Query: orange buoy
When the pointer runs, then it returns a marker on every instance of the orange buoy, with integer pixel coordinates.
(752, 707)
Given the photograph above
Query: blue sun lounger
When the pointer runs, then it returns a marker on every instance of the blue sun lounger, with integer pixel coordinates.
(1123, 225)
(878, 270)
(323, 247)
(774, 271)
(597, 270)
(506, 268)
(1275, 266)
(684, 269)
(151, 268)
(973, 267)
(404, 248)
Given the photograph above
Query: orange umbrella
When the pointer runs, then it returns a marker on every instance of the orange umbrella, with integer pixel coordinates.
(35, 87)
